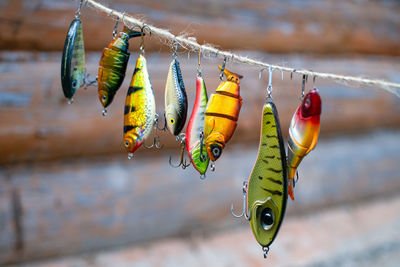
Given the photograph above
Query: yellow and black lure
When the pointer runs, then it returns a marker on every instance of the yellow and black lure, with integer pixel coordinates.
(267, 188)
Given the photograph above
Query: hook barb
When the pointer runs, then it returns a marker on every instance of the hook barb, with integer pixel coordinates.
(244, 210)
(182, 162)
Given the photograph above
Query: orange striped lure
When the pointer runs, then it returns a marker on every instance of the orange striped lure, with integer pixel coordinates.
(303, 134)
(140, 108)
(112, 66)
(222, 113)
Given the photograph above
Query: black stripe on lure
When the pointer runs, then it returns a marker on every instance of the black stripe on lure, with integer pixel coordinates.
(267, 188)
(73, 60)
(176, 104)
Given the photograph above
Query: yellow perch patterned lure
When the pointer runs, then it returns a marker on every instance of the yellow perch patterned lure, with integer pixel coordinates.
(222, 113)
(140, 108)
(303, 133)
(267, 185)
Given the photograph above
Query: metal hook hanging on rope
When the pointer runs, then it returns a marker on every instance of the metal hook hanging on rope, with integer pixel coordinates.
(176, 50)
(78, 12)
(269, 87)
(245, 208)
(303, 85)
(199, 64)
(221, 74)
(115, 30)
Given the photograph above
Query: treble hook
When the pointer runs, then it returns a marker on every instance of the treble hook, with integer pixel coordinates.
(244, 211)
(182, 161)
(156, 140)
(157, 121)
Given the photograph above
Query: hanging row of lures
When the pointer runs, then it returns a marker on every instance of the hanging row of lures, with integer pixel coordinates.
(211, 124)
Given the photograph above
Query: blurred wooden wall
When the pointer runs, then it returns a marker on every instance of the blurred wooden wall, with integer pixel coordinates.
(317, 26)
(66, 185)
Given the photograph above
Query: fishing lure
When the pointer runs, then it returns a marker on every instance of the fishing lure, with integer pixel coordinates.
(195, 145)
(267, 186)
(73, 60)
(140, 108)
(303, 133)
(112, 66)
(176, 103)
(222, 113)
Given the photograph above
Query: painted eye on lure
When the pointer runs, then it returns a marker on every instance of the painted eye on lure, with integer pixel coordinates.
(222, 113)
(267, 218)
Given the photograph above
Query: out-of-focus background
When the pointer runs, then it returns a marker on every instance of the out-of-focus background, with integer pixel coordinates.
(70, 197)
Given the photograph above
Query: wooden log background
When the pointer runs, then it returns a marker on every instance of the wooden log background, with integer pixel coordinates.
(324, 26)
(66, 185)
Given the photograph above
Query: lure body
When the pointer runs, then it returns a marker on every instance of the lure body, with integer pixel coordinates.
(267, 186)
(195, 129)
(73, 60)
(140, 108)
(112, 66)
(222, 113)
(176, 104)
(303, 133)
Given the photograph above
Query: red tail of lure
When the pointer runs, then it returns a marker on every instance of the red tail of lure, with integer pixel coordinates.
(303, 134)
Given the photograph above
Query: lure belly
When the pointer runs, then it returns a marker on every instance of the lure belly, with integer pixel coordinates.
(140, 108)
(73, 60)
(195, 130)
(112, 66)
(303, 133)
(267, 186)
(176, 104)
(222, 113)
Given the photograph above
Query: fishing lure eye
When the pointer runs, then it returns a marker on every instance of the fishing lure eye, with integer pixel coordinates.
(172, 121)
(307, 103)
(74, 82)
(216, 151)
(126, 143)
(267, 218)
(104, 97)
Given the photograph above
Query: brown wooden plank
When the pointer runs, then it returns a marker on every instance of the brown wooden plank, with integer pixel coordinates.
(291, 26)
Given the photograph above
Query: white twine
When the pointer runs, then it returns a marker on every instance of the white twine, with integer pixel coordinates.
(191, 44)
